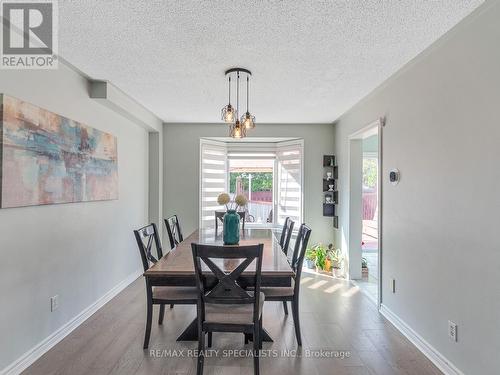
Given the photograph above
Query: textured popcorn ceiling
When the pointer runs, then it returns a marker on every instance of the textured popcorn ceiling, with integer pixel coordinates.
(312, 60)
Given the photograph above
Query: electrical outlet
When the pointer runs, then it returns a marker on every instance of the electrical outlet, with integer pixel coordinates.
(452, 331)
(393, 285)
(54, 303)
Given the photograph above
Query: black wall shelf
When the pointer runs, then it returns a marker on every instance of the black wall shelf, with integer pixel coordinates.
(330, 194)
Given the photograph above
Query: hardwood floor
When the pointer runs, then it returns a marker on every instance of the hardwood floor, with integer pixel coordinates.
(336, 319)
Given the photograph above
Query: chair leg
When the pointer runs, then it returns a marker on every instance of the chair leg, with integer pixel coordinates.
(285, 308)
(296, 320)
(260, 330)
(149, 318)
(209, 339)
(171, 305)
(162, 314)
(201, 349)
(256, 345)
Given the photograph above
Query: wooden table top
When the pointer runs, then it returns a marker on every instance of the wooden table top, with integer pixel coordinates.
(179, 262)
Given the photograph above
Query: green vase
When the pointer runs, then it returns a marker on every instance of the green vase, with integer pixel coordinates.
(231, 233)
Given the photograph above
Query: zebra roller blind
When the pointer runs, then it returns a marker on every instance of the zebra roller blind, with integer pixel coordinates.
(213, 179)
(289, 191)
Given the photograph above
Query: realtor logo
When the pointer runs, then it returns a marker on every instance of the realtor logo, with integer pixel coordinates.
(29, 34)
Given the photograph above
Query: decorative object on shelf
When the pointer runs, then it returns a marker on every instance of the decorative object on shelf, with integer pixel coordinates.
(231, 231)
(331, 196)
(46, 158)
(238, 126)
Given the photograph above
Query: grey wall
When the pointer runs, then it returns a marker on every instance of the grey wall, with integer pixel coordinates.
(182, 159)
(440, 233)
(78, 251)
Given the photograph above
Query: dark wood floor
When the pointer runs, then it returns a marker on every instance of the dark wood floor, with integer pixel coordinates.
(336, 318)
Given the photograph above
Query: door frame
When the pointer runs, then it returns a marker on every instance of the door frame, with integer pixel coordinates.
(375, 127)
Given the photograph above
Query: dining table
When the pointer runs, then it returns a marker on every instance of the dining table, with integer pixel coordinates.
(176, 268)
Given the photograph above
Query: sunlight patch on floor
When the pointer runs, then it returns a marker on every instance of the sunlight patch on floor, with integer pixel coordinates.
(304, 280)
(352, 291)
(333, 288)
(317, 284)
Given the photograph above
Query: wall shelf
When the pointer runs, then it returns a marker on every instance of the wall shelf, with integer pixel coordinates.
(330, 194)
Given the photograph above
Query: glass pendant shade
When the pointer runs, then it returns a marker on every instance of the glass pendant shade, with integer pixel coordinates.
(228, 114)
(237, 130)
(248, 121)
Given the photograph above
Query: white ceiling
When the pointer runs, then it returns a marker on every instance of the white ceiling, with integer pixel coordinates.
(311, 60)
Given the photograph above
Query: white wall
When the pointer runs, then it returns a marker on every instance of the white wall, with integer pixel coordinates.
(78, 251)
(181, 169)
(441, 223)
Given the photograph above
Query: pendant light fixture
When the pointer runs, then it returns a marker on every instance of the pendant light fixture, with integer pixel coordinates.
(228, 110)
(236, 130)
(247, 119)
(230, 114)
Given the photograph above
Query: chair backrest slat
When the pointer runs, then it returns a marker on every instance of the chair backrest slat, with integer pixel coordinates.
(228, 288)
(174, 231)
(299, 252)
(145, 238)
(286, 234)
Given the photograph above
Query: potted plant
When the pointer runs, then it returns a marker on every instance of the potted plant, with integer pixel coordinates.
(231, 233)
(337, 259)
(310, 257)
(322, 261)
(364, 267)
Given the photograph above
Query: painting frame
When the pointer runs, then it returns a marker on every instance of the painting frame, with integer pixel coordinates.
(47, 158)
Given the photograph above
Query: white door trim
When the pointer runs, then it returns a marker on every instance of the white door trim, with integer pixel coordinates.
(373, 128)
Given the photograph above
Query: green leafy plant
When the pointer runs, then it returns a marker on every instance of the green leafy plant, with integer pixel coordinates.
(310, 254)
(321, 258)
(261, 181)
(364, 263)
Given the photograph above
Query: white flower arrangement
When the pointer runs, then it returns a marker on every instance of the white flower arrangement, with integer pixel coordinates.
(225, 200)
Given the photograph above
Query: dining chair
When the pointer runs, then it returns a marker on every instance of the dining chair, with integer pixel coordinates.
(291, 293)
(146, 237)
(223, 303)
(286, 234)
(174, 231)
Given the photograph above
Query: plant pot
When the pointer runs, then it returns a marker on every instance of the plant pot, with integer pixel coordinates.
(364, 272)
(328, 265)
(231, 232)
(310, 263)
(337, 272)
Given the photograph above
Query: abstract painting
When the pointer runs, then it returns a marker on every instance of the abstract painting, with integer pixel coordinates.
(46, 158)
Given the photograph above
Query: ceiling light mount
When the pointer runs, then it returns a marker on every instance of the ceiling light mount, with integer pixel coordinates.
(241, 70)
(230, 114)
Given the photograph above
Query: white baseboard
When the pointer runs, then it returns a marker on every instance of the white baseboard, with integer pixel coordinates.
(428, 350)
(23, 362)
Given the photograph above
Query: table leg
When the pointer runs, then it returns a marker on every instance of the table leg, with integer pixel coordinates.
(191, 333)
